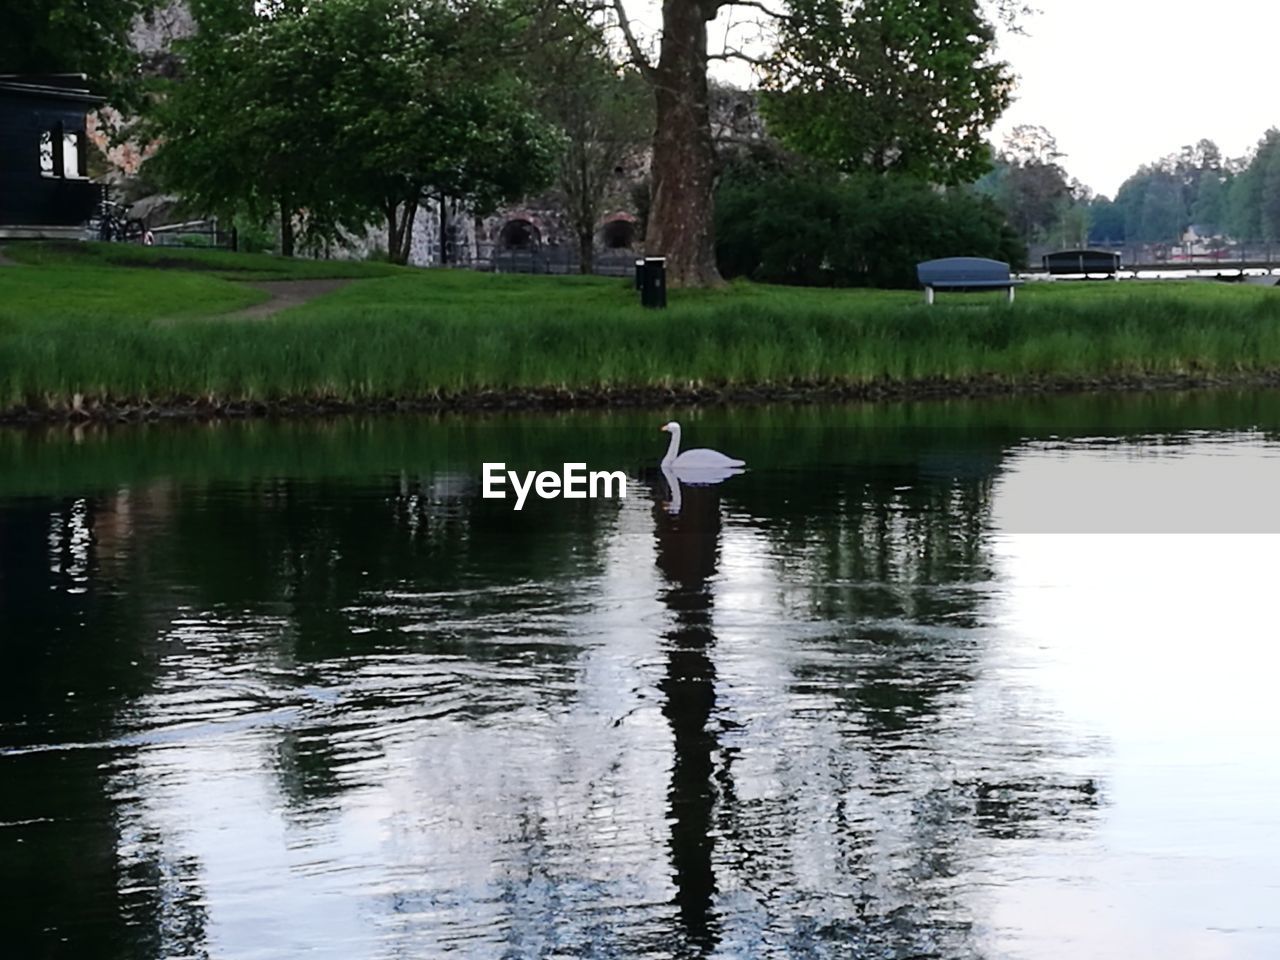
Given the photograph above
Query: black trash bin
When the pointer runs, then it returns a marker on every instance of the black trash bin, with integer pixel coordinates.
(639, 275)
(653, 283)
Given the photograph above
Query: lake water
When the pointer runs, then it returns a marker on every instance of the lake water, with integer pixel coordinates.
(284, 690)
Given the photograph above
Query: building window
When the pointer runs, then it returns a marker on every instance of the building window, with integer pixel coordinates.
(46, 153)
(62, 154)
(73, 156)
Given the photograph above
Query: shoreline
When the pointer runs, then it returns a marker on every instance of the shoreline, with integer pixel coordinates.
(107, 410)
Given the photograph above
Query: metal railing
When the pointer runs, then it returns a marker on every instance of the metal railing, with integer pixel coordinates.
(559, 261)
(1177, 255)
(204, 234)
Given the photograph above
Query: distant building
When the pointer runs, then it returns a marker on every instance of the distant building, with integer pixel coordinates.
(45, 189)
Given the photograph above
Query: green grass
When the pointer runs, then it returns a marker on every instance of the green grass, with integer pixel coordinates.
(133, 334)
(217, 263)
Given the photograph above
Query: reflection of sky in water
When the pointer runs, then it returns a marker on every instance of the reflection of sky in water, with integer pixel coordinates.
(1162, 647)
(934, 730)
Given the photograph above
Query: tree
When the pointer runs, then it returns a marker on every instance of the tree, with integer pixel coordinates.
(1033, 196)
(684, 164)
(1154, 205)
(1030, 186)
(333, 113)
(1209, 210)
(906, 86)
(1244, 205)
(436, 114)
(1029, 144)
(76, 36)
(603, 115)
(1072, 226)
(1268, 163)
(1163, 215)
(1106, 221)
(235, 134)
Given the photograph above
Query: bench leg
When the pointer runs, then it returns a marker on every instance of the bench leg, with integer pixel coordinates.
(928, 295)
(1011, 294)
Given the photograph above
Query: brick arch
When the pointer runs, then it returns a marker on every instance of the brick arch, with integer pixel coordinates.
(518, 233)
(618, 231)
(504, 217)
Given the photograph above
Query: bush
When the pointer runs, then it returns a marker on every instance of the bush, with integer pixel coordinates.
(811, 229)
(253, 237)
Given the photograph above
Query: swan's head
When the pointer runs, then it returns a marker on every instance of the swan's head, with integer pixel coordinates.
(671, 427)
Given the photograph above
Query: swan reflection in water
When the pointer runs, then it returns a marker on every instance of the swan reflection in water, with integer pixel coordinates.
(694, 477)
(687, 534)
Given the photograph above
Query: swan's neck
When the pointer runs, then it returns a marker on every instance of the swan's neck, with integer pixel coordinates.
(673, 484)
(673, 448)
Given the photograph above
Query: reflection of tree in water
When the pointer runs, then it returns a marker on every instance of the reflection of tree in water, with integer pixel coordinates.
(885, 790)
(368, 578)
(74, 880)
(687, 550)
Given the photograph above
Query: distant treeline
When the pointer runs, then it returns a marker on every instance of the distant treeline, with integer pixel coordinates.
(1237, 198)
(1223, 199)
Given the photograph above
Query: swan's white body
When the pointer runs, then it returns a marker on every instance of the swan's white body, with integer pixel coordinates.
(699, 459)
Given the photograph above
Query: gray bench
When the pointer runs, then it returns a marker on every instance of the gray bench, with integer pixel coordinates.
(1082, 261)
(964, 273)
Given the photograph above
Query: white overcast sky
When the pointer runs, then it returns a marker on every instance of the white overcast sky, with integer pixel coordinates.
(1124, 82)
(1173, 70)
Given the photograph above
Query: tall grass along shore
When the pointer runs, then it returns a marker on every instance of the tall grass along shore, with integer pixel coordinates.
(100, 332)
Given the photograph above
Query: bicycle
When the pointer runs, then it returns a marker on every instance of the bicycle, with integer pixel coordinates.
(113, 226)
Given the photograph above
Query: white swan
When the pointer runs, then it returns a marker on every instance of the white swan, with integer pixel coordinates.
(700, 459)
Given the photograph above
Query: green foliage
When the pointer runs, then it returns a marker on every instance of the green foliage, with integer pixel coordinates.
(75, 36)
(1161, 199)
(814, 229)
(1106, 221)
(337, 113)
(1267, 162)
(908, 86)
(1244, 204)
(253, 237)
(431, 102)
(1209, 210)
(1029, 184)
(1032, 194)
(240, 136)
(604, 115)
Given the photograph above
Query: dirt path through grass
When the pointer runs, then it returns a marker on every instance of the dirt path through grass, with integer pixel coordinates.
(285, 294)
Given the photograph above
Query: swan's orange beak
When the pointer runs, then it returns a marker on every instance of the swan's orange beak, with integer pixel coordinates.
(663, 428)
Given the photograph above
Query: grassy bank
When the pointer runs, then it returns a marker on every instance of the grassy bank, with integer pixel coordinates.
(130, 335)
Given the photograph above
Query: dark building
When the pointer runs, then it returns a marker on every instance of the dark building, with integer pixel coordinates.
(45, 190)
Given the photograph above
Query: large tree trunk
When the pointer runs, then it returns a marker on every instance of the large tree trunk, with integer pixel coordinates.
(680, 220)
(586, 251)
